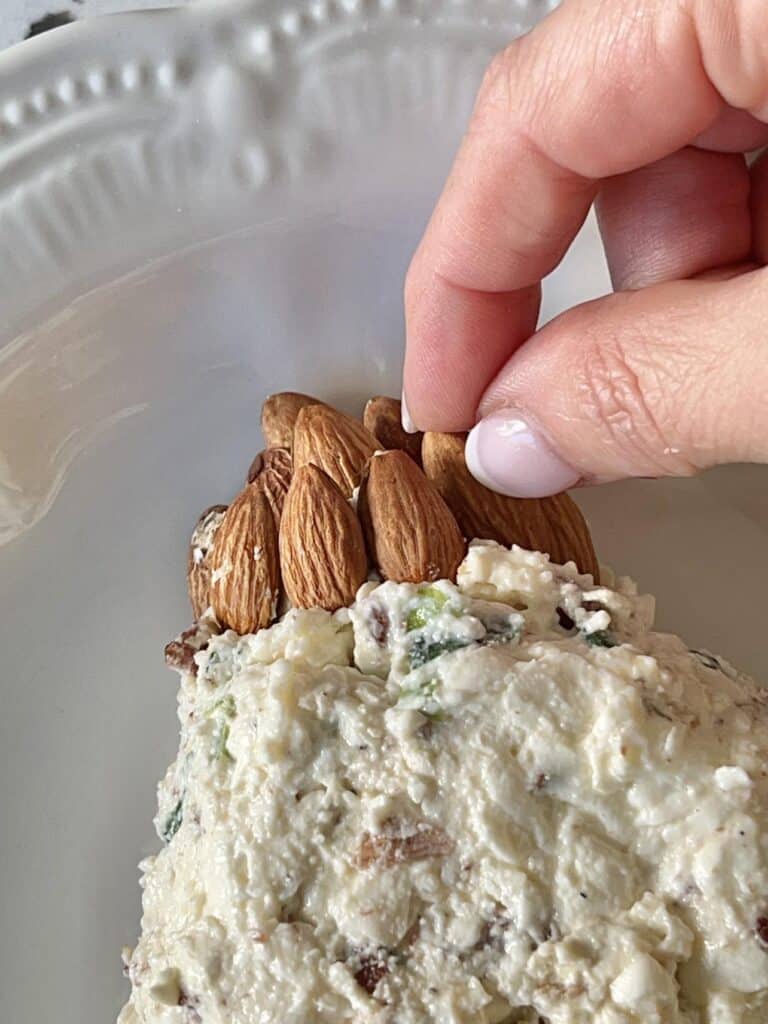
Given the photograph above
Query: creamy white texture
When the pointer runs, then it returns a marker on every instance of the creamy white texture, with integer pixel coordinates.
(506, 800)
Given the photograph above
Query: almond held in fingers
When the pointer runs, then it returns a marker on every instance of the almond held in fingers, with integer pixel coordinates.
(571, 539)
(334, 442)
(278, 416)
(412, 534)
(382, 416)
(554, 525)
(198, 569)
(272, 470)
(245, 564)
(322, 551)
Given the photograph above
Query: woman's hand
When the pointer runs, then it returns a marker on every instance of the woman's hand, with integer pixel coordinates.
(647, 107)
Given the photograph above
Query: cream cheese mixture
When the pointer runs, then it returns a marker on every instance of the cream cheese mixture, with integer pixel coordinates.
(506, 800)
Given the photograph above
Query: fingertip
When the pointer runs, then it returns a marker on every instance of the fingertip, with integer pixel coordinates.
(508, 453)
(665, 381)
(457, 341)
(407, 421)
(733, 131)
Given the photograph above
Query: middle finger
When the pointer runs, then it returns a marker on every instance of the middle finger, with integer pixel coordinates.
(675, 218)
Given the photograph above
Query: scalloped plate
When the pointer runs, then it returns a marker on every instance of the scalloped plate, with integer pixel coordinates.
(198, 207)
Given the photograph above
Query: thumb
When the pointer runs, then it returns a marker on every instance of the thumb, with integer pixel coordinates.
(660, 382)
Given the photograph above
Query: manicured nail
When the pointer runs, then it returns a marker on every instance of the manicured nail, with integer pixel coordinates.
(408, 425)
(507, 454)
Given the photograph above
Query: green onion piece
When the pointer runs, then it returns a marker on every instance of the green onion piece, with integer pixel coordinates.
(220, 750)
(423, 650)
(600, 638)
(173, 821)
(708, 659)
(432, 603)
(224, 706)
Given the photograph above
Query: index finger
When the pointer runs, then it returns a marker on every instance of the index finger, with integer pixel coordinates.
(598, 89)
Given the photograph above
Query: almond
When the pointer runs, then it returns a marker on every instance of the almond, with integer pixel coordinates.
(382, 418)
(272, 470)
(278, 416)
(198, 570)
(322, 552)
(336, 443)
(244, 562)
(411, 532)
(554, 525)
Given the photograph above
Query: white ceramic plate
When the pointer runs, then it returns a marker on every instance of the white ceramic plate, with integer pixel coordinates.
(198, 207)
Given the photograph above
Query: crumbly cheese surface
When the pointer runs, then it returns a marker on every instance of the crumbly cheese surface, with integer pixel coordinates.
(506, 800)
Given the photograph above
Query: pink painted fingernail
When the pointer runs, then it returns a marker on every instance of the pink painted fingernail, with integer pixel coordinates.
(507, 454)
(408, 425)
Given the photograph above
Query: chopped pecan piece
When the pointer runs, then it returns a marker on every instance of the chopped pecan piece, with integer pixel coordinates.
(402, 844)
(191, 1003)
(180, 653)
(564, 619)
(180, 656)
(378, 625)
(371, 971)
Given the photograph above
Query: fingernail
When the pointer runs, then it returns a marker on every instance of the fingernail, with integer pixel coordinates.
(507, 454)
(408, 425)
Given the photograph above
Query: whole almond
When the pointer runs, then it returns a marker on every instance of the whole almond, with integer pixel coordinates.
(411, 532)
(382, 418)
(245, 565)
(272, 470)
(571, 539)
(198, 569)
(554, 525)
(322, 551)
(334, 442)
(278, 416)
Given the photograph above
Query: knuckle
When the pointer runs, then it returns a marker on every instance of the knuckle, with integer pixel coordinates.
(732, 41)
(495, 93)
(627, 383)
(409, 288)
(496, 76)
(414, 288)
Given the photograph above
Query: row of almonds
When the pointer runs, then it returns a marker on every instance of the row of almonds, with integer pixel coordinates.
(331, 499)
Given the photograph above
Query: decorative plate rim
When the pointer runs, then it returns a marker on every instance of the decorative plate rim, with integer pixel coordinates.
(133, 136)
(139, 109)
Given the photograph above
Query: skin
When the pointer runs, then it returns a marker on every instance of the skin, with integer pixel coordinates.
(646, 108)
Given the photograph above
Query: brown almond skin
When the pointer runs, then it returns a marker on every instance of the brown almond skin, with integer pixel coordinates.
(322, 551)
(198, 569)
(245, 565)
(272, 470)
(554, 525)
(382, 418)
(334, 442)
(412, 534)
(278, 416)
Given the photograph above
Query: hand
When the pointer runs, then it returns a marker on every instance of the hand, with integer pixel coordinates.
(647, 107)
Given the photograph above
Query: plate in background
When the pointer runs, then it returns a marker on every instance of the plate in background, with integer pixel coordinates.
(198, 207)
